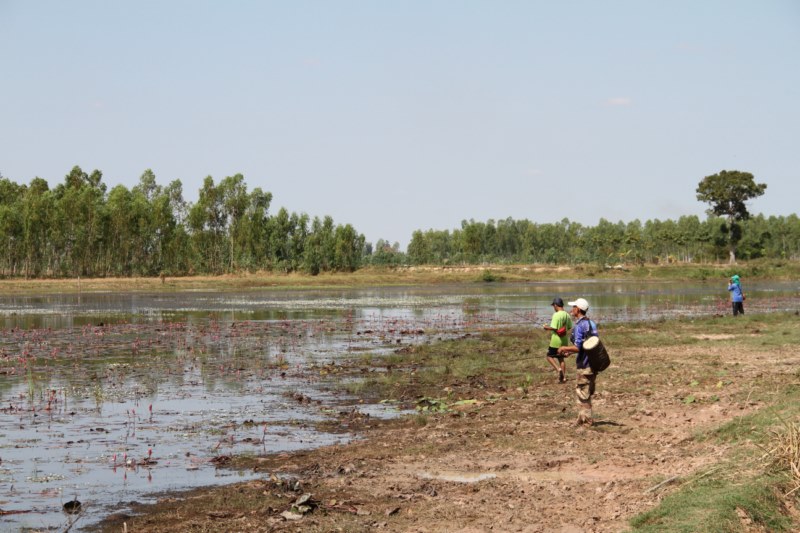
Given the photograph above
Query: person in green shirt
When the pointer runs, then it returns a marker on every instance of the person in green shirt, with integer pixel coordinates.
(559, 327)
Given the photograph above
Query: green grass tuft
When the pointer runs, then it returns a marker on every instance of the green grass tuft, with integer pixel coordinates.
(715, 504)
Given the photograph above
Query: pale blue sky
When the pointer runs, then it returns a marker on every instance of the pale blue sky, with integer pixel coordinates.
(396, 116)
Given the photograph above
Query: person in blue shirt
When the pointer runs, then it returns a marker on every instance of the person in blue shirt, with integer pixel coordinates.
(737, 295)
(584, 389)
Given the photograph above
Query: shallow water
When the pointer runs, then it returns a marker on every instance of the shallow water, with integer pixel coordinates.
(108, 398)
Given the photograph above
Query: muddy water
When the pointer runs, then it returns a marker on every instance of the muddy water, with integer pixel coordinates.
(109, 398)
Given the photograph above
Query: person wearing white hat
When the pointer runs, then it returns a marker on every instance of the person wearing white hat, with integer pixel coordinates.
(584, 328)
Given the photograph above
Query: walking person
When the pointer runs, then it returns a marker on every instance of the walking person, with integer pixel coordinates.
(584, 328)
(737, 295)
(559, 326)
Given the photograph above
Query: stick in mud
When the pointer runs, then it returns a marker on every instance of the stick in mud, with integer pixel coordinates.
(659, 485)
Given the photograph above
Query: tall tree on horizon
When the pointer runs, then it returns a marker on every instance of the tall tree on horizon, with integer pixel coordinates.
(727, 192)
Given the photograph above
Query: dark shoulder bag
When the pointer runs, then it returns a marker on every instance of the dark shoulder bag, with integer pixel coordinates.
(599, 359)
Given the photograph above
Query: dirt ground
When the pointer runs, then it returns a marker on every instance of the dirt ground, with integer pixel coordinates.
(512, 460)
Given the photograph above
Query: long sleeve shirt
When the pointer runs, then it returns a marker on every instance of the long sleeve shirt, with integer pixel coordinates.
(736, 292)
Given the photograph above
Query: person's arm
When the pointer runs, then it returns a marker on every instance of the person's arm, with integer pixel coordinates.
(566, 350)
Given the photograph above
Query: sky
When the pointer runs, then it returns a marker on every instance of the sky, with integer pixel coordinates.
(411, 115)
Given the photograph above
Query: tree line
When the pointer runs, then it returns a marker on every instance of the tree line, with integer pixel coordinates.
(728, 230)
(79, 228)
(687, 239)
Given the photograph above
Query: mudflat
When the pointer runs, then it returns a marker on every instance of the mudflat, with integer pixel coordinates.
(690, 435)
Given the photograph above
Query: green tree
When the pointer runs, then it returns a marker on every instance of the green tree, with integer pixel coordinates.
(78, 222)
(419, 249)
(279, 232)
(11, 226)
(37, 206)
(347, 248)
(472, 239)
(235, 201)
(298, 238)
(208, 223)
(254, 229)
(728, 192)
(312, 254)
(121, 223)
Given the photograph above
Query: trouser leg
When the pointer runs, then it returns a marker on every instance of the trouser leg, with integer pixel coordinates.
(584, 392)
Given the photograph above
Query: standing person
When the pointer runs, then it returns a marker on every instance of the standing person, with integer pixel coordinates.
(560, 324)
(584, 328)
(737, 295)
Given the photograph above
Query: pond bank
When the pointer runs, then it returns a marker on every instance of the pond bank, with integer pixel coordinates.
(416, 275)
(687, 406)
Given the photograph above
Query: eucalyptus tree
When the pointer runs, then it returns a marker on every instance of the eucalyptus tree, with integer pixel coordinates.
(786, 240)
(171, 215)
(441, 245)
(546, 243)
(279, 232)
(121, 232)
(148, 214)
(388, 254)
(235, 201)
(254, 229)
(347, 248)
(689, 237)
(37, 208)
(632, 240)
(525, 234)
(430, 247)
(298, 239)
(489, 242)
(366, 253)
(327, 242)
(457, 246)
(603, 242)
(756, 237)
(419, 249)
(312, 252)
(11, 226)
(77, 222)
(728, 192)
(507, 239)
(472, 240)
(207, 220)
(570, 240)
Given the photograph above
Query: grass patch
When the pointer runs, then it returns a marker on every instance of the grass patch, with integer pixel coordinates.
(718, 503)
(513, 359)
(488, 277)
(747, 485)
